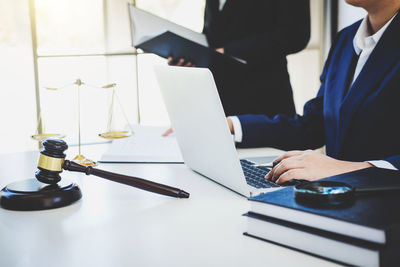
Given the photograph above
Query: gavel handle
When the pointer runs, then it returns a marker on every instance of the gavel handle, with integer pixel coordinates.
(128, 180)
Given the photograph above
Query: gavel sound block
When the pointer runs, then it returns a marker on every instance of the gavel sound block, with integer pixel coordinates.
(49, 191)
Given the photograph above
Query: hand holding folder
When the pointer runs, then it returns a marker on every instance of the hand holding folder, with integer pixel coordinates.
(166, 39)
(187, 63)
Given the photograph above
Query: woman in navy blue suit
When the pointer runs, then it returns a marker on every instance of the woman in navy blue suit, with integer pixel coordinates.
(355, 113)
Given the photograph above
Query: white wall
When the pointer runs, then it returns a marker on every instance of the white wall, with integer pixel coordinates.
(17, 85)
(348, 14)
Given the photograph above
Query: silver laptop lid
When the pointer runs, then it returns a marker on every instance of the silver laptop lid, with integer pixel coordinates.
(199, 122)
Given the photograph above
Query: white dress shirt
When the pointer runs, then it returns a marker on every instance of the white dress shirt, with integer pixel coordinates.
(221, 4)
(364, 43)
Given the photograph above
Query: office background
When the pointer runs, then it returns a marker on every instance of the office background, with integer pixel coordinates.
(45, 43)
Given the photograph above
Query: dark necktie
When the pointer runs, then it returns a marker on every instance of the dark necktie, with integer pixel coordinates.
(350, 74)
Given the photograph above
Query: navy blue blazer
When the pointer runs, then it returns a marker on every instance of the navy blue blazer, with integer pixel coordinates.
(356, 124)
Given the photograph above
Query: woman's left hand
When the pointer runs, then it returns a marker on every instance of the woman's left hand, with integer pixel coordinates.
(310, 165)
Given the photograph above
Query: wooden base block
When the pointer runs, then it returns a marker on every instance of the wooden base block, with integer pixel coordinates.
(31, 194)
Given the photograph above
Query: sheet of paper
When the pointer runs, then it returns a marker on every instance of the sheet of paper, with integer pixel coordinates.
(145, 145)
(146, 26)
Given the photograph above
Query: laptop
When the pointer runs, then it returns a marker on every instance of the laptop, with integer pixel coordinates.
(198, 119)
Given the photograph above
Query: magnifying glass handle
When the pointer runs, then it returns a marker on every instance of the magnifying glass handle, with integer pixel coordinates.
(377, 189)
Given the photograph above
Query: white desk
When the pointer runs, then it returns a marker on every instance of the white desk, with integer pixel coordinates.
(117, 225)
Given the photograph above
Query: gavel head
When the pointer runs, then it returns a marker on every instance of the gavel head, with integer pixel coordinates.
(51, 161)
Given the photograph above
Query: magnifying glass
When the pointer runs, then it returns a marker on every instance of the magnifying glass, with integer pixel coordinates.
(331, 193)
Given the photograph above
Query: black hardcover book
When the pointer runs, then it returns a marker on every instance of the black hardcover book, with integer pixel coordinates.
(373, 217)
(171, 44)
(323, 244)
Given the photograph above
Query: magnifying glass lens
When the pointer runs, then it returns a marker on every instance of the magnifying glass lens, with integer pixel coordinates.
(325, 190)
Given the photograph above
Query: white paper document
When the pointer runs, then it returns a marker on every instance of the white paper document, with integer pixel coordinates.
(146, 26)
(146, 145)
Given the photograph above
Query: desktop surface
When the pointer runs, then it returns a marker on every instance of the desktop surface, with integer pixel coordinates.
(117, 225)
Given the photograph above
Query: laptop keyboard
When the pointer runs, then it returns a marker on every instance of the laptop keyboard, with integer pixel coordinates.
(255, 175)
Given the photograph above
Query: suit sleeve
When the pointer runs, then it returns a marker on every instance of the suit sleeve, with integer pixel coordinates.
(286, 133)
(291, 34)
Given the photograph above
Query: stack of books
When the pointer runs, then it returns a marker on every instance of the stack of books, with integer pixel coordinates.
(366, 232)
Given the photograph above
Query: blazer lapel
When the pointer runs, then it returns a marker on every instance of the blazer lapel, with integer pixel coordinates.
(342, 77)
(379, 63)
(334, 98)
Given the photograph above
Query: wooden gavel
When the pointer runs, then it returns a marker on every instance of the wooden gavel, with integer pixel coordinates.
(52, 162)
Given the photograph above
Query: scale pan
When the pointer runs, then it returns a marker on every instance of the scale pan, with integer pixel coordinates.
(116, 134)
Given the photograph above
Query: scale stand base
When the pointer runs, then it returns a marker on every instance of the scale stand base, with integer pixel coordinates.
(84, 161)
(31, 194)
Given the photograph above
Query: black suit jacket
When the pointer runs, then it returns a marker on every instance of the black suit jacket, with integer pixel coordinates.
(262, 32)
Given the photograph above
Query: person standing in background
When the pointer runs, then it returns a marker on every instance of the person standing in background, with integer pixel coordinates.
(262, 33)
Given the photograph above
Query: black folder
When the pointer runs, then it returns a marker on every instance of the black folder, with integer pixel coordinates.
(170, 44)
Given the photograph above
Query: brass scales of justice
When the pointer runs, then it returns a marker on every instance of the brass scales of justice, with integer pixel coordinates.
(108, 134)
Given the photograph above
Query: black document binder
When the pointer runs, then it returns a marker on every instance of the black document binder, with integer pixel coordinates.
(171, 44)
